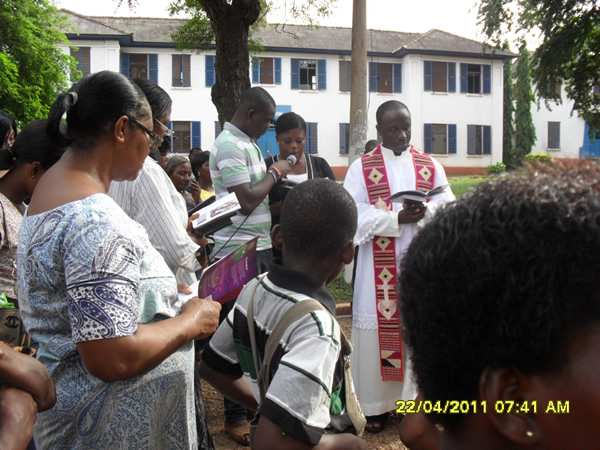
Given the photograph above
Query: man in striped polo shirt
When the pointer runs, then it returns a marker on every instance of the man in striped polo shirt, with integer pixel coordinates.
(237, 165)
(305, 404)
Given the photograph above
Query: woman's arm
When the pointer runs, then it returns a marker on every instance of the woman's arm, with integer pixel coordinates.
(130, 356)
(28, 374)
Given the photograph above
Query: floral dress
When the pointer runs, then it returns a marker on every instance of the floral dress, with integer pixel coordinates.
(87, 271)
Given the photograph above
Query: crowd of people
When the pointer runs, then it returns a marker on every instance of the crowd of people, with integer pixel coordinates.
(485, 304)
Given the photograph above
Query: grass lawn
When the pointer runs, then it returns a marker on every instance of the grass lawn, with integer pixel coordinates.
(342, 291)
(460, 185)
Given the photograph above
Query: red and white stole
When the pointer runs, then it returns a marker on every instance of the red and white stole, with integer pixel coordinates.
(384, 258)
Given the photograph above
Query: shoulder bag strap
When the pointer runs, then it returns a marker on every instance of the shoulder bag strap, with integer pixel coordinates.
(293, 314)
(250, 318)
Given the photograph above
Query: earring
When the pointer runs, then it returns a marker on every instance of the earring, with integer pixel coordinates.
(529, 433)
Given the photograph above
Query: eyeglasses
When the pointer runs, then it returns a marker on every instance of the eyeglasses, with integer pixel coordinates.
(153, 138)
(166, 129)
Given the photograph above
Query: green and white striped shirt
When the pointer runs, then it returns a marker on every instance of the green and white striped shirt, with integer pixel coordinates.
(235, 159)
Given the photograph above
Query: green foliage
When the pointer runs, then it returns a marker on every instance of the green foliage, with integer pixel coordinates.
(460, 185)
(539, 158)
(499, 167)
(341, 290)
(568, 54)
(525, 130)
(508, 132)
(32, 68)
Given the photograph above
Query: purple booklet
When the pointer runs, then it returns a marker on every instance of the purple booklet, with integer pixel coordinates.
(223, 280)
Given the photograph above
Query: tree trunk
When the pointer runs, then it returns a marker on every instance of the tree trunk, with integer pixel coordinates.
(231, 24)
(358, 82)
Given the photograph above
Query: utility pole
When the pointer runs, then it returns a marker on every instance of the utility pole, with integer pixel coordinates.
(358, 82)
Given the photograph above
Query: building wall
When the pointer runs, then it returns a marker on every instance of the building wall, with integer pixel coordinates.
(572, 128)
(330, 107)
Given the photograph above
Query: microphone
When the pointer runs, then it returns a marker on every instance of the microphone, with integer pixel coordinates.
(291, 159)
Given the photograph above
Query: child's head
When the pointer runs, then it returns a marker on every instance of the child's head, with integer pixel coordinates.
(501, 301)
(318, 221)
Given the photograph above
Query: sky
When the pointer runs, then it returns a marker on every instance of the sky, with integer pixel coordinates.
(453, 16)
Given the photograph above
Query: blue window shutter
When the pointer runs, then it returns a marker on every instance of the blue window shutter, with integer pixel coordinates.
(343, 138)
(397, 77)
(487, 140)
(277, 68)
(153, 67)
(451, 77)
(295, 74)
(176, 70)
(463, 78)
(312, 137)
(209, 71)
(428, 138)
(255, 69)
(428, 69)
(195, 134)
(125, 64)
(372, 77)
(322, 74)
(487, 79)
(452, 139)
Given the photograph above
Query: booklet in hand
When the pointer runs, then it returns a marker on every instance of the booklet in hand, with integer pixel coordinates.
(209, 201)
(223, 280)
(417, 196)
(217, 215)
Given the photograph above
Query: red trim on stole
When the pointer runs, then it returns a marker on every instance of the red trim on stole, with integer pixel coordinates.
(384, 259)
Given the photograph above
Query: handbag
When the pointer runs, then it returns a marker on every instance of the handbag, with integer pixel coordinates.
(296, 312)
(12, 330)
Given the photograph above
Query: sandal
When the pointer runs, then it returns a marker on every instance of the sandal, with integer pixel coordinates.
(376, 424)
(239, 432)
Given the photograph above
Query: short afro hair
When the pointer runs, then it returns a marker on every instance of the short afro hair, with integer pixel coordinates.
(503, 277)
(390, 105)
(318, 218)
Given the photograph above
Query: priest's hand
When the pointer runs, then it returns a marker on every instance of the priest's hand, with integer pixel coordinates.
(412, 212)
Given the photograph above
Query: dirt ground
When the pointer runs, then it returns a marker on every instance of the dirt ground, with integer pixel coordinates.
(386, 440)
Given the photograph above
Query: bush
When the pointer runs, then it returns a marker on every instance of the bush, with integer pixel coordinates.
(538, 158)
(499, 167)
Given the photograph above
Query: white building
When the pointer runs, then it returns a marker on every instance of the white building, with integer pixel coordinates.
(452, 85)
(561, 132)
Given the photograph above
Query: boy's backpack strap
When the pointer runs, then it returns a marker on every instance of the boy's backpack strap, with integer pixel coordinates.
(293, 314)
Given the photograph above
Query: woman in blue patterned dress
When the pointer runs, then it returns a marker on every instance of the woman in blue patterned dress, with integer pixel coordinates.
(96, 295)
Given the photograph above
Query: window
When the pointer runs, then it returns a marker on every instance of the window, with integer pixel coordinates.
(309, 74)
(82, 56)
(440, 139)
(137, 65)
(384, 77)
(218, 128)
(440, 76)
(554, 135)
(552, 90)
(479, 140)
(186, 136)
(209, 70)
(312, 136)
(181, 71)
(344, 138)
(476, 78)
(345, 75)
(266, 70)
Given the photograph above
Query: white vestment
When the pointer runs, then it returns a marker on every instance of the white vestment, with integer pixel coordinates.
(375, 395)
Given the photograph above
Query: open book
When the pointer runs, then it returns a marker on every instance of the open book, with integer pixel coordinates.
(217, 215)
(417, 196)
(223, 280)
